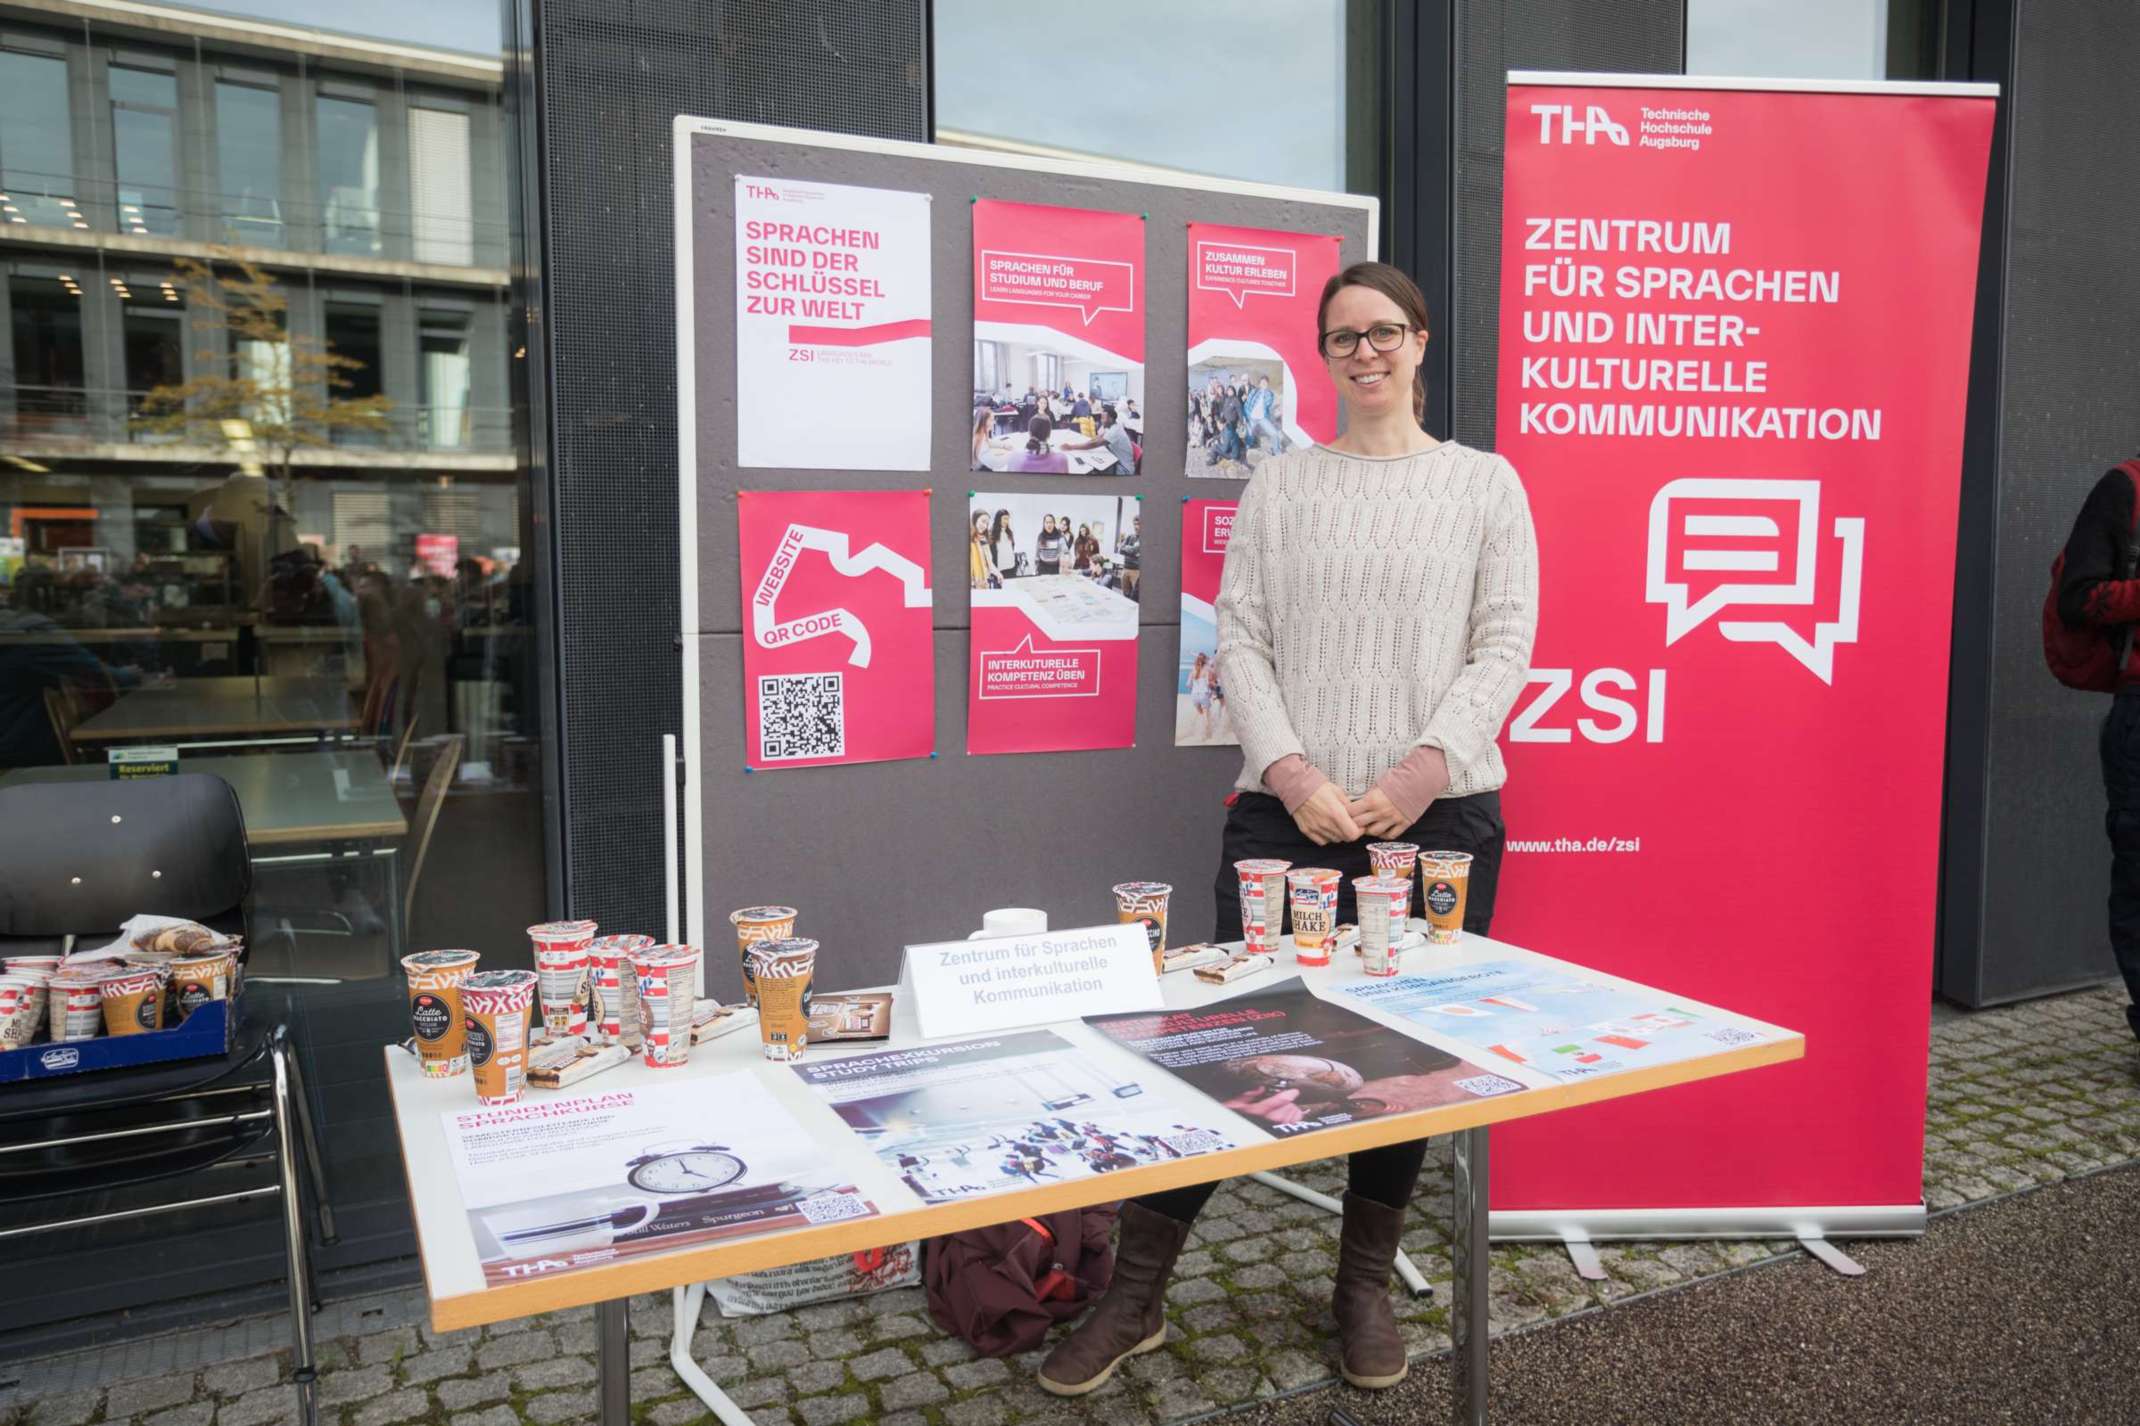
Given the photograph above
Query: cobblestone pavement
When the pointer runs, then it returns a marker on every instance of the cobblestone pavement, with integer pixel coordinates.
(2019, 1097)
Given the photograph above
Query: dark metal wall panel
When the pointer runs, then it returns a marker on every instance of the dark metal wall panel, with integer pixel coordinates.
(1493, 37)
(886, 853)
(2069, 407)
(612, 80)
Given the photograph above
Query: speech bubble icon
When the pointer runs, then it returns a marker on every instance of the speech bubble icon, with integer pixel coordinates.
(1715, 543)
(1243, 269)
(1218, 528)
(1088, 285)
(1027, 672)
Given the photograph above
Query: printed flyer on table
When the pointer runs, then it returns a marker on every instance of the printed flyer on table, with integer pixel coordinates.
(556, 1184)
(1295, 1063)
(1010, 1111)
(1567, 1026)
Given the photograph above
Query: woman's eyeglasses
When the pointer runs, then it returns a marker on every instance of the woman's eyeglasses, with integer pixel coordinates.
(1383, 337)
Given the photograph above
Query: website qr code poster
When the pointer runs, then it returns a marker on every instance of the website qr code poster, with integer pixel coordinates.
(839, 663)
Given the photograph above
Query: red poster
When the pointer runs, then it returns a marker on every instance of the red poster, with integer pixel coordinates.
(1054, 582)
(1199, 699)
(1734, 354)
(1058, 339)
(1252, 299)
(839, 665)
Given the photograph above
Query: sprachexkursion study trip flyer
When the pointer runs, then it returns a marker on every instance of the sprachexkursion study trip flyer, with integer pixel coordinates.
(1256, 386)
(1734, 361)
(556, 1183)
(832, 326)
(1053, 644)
(839, 665)
(1199, 697)
(1058, 329)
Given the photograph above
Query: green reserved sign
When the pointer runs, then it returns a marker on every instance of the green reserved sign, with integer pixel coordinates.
(141, 762)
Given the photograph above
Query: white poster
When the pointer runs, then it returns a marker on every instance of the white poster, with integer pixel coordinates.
(832, 326)
(570, 1181)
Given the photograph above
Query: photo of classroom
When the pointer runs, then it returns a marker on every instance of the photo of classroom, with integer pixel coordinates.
(1042, 410)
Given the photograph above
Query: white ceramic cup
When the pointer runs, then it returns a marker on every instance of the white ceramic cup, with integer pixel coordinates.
(1011, 921)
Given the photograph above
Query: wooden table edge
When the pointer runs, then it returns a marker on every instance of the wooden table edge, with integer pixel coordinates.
(659, 1272)
(306, 836)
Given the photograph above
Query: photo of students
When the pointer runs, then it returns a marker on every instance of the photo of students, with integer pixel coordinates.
(1096, 540)
(1073, 390)
(1236, 415)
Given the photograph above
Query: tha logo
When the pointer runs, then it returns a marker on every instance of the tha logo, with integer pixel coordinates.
(1593, 125)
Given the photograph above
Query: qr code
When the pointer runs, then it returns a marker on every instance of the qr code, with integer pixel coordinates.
(1195, 1141)
(1731, 1035)
(832, 1205)
(801, 716)
(1485, 1084)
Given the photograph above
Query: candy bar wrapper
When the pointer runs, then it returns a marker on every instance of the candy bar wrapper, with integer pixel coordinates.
(710, 1021)
(1346, 938)
(1203, 953)
(570, 1059)
(1236, 968)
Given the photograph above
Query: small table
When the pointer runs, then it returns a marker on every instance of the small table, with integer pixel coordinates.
(231, 709)
(306, 806)
(455, 1281)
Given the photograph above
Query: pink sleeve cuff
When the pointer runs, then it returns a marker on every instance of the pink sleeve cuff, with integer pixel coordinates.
(1293, 780)
(1413, 784)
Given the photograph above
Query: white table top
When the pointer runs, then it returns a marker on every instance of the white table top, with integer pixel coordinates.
(454, 1276)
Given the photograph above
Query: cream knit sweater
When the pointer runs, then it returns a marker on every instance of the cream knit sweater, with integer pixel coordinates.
(1373, 606)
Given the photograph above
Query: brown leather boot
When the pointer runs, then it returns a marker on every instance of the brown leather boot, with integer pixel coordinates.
(1131, 1317)
(1370, 1350)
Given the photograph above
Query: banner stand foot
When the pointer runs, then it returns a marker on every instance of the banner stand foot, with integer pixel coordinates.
(1413, 1277)
(1833, 1256)
(688, 1302)
(1584, 1254)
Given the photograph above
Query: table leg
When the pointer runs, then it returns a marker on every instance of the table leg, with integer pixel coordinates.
(613, 1357)
(396, 933)
(1470, 1271)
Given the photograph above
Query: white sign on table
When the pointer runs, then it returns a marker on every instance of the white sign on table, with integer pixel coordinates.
(1009, 982)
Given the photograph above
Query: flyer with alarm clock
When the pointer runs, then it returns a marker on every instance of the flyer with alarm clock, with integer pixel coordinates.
(636, 1171)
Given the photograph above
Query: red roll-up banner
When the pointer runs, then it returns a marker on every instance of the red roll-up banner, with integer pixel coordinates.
(1733, 365)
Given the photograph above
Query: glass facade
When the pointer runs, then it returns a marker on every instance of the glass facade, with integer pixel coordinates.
(258, 446)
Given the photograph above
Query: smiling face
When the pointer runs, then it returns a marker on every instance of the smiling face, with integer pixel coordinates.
(1372, 383)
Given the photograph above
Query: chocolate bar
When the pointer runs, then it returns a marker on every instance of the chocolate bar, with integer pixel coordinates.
(710, 1020)
(1235, 968)
(570, 1059)
(1202, 953)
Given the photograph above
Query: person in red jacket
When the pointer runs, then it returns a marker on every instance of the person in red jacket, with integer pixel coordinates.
(2099, 589)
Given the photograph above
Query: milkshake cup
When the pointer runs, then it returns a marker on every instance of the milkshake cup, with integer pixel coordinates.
(1145, 903)
(783, 970)
(755, 924)
(668, 976)
(75, 1002)
(1384, 902)
(132, 1001)
(495, 1010)
(435, 1009)
(1314, 900)
(1444, 877)
(22, 1010)
(48, 964)
(561, 974)
(1262, 903)
(1397, 859)
(613, 1013)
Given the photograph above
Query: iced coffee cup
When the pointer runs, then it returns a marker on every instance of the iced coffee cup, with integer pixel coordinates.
(756, 924)
(1262, 903)
(496, 1007)
(783, 970)
(613, 1014)
(435, 1010)
(75, 1002)
(132, 1001)
(1443, 879)
(1145, 903)
(1314, 898)
(1383, 902)
(668, 983)
(561, 974)
(197, 979)
(22, 1010)
(1393, 859)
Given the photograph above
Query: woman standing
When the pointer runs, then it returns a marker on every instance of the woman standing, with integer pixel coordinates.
(978, 573)
(1375, 622)
(1048, 548)
(1003, 547)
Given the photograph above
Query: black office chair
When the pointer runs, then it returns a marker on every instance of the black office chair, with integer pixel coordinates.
(76, 860)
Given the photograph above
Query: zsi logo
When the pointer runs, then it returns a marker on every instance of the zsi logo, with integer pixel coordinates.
(1751, 542)
(1594, 124)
